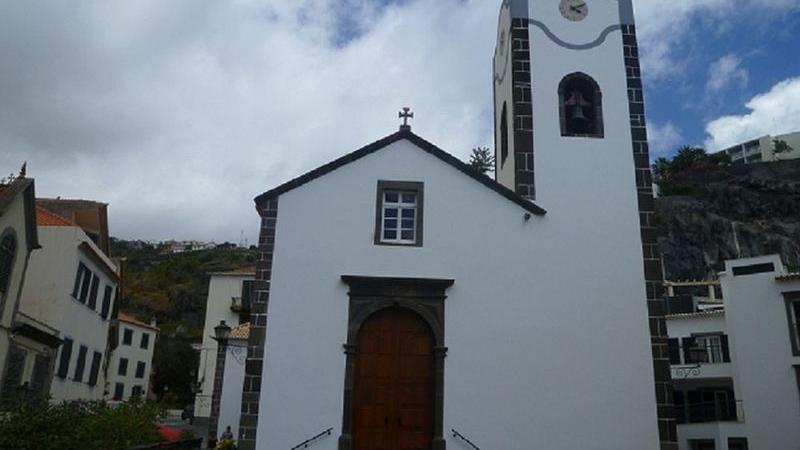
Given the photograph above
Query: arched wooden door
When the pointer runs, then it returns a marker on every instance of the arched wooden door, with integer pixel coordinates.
(394, 383)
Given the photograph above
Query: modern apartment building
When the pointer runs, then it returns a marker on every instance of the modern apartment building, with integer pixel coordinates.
(736, 361)
(763, 149)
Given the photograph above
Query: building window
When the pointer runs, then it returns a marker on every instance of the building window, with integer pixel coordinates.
(122, 369)
(797, 375)
(81, 363)
(127, 336)
(8, 249)
(702, 444)
(145, 341)
(674, 351)
(399, 213)
(793, 311)
(95, 369)
(119, 391)
(63, 362)
(503, 136)
(136, 391)
(737, 443)
(41, 375)
(106, 307)
(93, 292)
(83, 280)
(706, 349)
(580, 106)
(140, 369)
(15, 366)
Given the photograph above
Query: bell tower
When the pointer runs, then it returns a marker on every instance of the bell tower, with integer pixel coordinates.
(570, 133)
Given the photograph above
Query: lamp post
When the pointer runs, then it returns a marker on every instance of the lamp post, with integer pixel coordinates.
(222, 333)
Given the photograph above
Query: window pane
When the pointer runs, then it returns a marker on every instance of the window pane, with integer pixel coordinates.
(407, 235)
(390, 234)
(409, 197)
(409, 213)
(390, 197)
(408, 224)
(390, 223)
(390, 212)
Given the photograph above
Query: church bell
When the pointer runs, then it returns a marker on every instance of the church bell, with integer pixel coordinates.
(576, 103)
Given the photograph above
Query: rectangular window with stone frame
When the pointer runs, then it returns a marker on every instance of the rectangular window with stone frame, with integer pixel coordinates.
(399, 213)
(127, 336)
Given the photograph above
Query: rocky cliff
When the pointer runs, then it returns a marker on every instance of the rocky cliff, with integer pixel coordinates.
(732, 211)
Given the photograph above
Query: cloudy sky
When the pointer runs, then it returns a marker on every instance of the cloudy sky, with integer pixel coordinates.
(179, 112)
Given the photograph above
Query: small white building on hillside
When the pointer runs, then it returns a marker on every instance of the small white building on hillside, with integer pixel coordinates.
(736, 362)
(27, 346)
(132, 360)
(229, 297)
(71, 286)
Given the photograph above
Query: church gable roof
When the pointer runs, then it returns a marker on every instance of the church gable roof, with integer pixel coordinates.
(420, 143)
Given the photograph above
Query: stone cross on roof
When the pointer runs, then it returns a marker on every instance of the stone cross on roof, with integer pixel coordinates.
(405, 114)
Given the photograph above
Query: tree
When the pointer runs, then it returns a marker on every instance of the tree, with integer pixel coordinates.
(174, 362)
(482, 160)
(781, 147)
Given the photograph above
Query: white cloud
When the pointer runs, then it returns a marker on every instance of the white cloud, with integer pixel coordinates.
(663, 25)
(773, 112)
(725, 71)
(664, 138)
(179, 113)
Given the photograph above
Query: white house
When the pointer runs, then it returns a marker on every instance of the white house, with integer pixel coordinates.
(27, 346)
(132, 360)
(71, 286)
(229, 300)
(736, 364)
(403, 300)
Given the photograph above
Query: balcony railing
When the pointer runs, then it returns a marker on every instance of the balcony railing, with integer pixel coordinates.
(704, 412)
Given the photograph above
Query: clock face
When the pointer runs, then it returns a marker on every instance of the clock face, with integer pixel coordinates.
(574, 10)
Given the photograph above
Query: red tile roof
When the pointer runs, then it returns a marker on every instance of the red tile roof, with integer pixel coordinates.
(46, 218)
(124, 317)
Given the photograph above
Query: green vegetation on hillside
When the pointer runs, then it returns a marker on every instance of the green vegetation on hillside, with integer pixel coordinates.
(173, 287)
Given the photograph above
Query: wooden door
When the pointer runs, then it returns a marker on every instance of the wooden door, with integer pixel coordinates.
(394, 385)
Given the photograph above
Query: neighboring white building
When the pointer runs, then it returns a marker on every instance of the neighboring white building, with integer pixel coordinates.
(400, 294)
(71, 286)
(736, 364)
(763, 149)
(230, 400)
(27, 346)
(229, 300)
(132, 360)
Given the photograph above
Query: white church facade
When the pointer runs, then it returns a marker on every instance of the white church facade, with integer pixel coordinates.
(404, 301)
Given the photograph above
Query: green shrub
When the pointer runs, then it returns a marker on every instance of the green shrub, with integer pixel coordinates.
(84, 425)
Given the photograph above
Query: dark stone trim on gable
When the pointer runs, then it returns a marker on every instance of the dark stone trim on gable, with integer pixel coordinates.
(385, 142)
(251, 391)
(656, 306)
(522, 110)
(369, 295)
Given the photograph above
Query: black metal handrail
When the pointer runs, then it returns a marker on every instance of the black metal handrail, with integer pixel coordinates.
(461, 436)
(305, 443)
